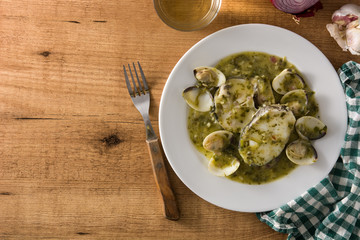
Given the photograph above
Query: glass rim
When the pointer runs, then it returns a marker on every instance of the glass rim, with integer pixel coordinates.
(204, 22)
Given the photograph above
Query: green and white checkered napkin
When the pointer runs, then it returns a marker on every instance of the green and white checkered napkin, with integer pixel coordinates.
(330, 209)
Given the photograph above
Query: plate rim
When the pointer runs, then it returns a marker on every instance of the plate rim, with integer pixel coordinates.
(167, 85)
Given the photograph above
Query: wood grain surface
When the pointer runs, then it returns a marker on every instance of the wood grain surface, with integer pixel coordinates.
(74, 161)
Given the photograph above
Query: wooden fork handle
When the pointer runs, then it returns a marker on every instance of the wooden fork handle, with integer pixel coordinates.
(171, 210)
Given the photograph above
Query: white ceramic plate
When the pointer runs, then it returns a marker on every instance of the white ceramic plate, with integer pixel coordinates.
(190, 165)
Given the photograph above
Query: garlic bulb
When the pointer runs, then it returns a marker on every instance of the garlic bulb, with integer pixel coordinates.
(345, 28)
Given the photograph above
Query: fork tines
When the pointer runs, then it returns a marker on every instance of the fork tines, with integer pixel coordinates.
(137, 89)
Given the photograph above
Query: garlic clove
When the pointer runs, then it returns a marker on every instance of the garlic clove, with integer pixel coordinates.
(349, 8)
(353, 39)
(346, 14)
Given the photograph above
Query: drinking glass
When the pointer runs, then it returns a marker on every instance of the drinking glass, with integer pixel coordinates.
(187, 15)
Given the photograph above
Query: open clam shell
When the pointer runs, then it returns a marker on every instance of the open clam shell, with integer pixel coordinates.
(311, 128)
(198, 98)
(287, 81)
(217, 141)
(209, 76)
(301, 152)
(297, 101)
(223, 164)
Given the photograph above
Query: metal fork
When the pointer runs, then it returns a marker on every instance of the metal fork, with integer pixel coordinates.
(140, 95)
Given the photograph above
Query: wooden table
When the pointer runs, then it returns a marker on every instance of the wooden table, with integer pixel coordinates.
(74, 162)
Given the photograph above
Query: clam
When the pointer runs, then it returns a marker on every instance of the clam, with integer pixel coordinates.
(265, 137)
(217, 141)
(223, 164)
(287, 81)
(311, 128)
(263, 92)
(209, 76)
(198, 98)
(301, 152)
(297, 101)
(234, 104)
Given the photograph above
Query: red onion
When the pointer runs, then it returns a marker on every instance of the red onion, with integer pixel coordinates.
(293, 6)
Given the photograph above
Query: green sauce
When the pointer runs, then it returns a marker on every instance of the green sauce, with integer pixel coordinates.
(248, 65)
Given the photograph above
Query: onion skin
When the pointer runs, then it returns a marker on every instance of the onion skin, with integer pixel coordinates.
(293, 6)
(338, 35)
